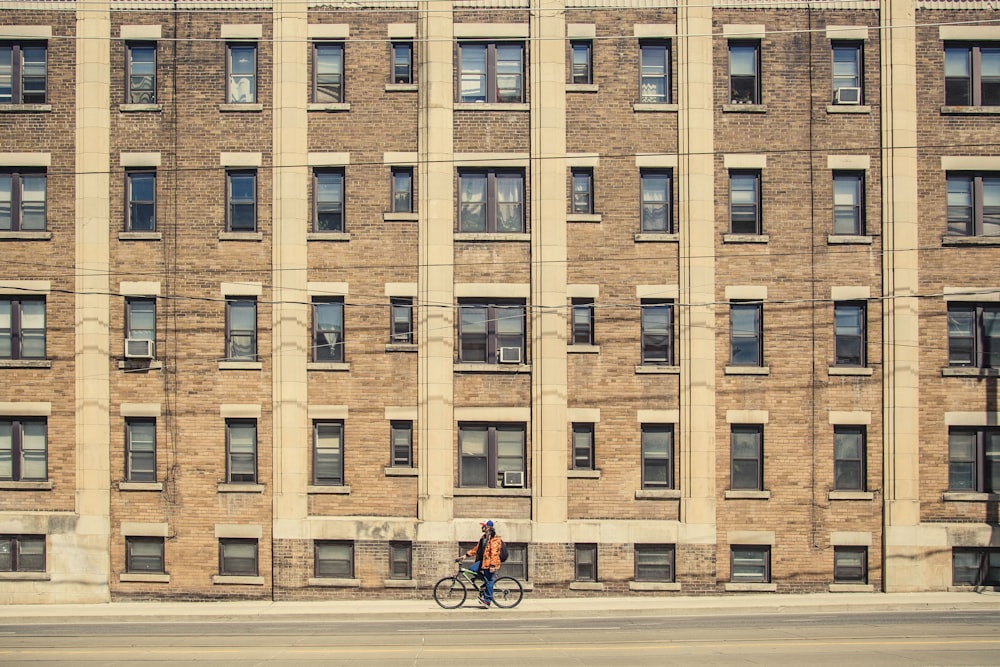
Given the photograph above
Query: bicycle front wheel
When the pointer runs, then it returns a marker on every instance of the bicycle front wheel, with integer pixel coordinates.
(450, 592)
(507, 592)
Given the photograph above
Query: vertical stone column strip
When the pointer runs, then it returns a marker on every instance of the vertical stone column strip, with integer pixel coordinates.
(436, 317)
(549, 448)
(900, 277)
(91, 569)
(290, 222)
(696, 314)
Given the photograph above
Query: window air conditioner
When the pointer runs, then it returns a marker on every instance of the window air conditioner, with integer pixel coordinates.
(847, 96)
(510, 355)
(138, 348)
(513, 478)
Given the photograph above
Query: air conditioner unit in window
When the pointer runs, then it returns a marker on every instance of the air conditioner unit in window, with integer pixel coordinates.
(510, 355)
(513, 478)
(847, 96)
(138, 348)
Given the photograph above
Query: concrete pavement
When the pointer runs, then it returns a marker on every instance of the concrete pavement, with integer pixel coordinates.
(530, 607)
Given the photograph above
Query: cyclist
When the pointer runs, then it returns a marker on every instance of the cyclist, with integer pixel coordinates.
(487, 560)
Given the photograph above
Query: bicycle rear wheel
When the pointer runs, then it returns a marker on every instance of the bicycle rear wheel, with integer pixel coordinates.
(507, 592)
(450, 592)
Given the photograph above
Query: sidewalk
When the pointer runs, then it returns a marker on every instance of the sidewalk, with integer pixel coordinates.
(371, 610)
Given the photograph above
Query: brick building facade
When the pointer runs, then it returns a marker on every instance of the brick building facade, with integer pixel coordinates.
(686, 297)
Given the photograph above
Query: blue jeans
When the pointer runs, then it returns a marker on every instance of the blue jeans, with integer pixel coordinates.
(489, 576)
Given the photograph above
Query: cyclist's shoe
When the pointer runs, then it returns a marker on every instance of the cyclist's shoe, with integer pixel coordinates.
(483, 604)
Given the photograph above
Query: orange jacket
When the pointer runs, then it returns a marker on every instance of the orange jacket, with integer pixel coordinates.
(491, 555)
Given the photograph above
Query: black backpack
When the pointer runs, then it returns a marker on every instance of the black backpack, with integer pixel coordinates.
(504, 554)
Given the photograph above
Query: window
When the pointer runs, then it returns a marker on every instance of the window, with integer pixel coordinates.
(972, 74)
(746, 333)
(402, 62)
(848, 203)
(140, 318)
(140, 449)
(22, 73)
(585, 562)
(583, 446)
(241, 451)
(401, 320)
(22, 201)
(144, 555)
(488, 451)
(975, 566)
(751, 564)
(849, 458)
(402, 189)
(141, 73)
(22, 553)
(582, 313)
(328, 200)
(22, 328)
(242, 66)
(849, 327)
(974, 204)
(241, 329)
(657, 333)
(517, 562)
(241, 194)
(847, 86)
(328, 453)
(747, 442)
(400, 559)
(583, 190)
(744, 72)
(490, 333)
(657, 197)
(657, 456)
(141, 187)
(581, 61)
(238, 557)
(974, 335)
(23, 450)
(491, 72)
(744, 202)
(654, 562)
(491, 201)
(654, 83)
(974, 459)
(328, 72)
(328, 330)
(850, 565)
(333, 559)
(401, 441)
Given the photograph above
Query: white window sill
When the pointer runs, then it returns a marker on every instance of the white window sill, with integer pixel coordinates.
(140, 108)
(140, 486)
(230, 579)
(233, 487)
(391, 471)
(241, 366)
(329, 489)
(335, 107)
(849, 370)
(401, 88)
(25, 236)
(744, 108)
(747, 370)
(328, 236)
(19, 108)
(656, 237)
(26, 486)
(492, 106)
(739, 494)
(745, 238)
(25, 363)
(401, 347)
(966, 372)
(136, 364)
(851, 588)
(581, 88)
(848, 239)
(148, 578)
(849, 108)
(750, 588)
(241, 236)
(583, 217)
(246, 107)
(653, 369)
(25, 576)
(586, 586)
(331, 582)
(583, 474)
(492, 236)
(970, 240)
(470, 492)
(340, 366)
(657, 494)
(654, 586)
(969, 497)
(642, 107)
(140, 236)
(970, 110)
(400, 217)
(850, 495)
(491, 368)
(583, 349)
(399, 583)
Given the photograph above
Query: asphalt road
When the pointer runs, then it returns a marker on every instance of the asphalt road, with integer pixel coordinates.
(473, 636)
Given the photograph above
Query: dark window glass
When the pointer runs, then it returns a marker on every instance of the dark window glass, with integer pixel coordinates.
(491, 72)
(140, 318)
(583, 446)
(328, 330)
(22, 553)
(583, 322)
(334, 559)
(972, 74)
(847, 72)
(401, 320)
(974, 335)
(23, 73)
(241, 329)
(583, 190)
(848, 203)
(402, 62)
(23, 201)
(401, 436)
(328, 72)
(657, 199)
(657, 456)
(487, 452)
(140, 449)
(657, 333)
(141, 74)
(242, 199)
(241, 451)
(744, 202)
(585, 562)
(23, 450)
(238, 557)
(22, 328)
(747, 441)
(850, 565)
(849, 458)
(654, 84)
(972, 566)
(141, 201)
(849, 330)
(750, 564)
(402, 189)
(491, 333)
(746, 333)
(974, 204)
(744, 73)
(144, 555)
(491, 201)
(328, 453)
(654, 562)
(517, 562)
(974, 459)
(580, 62)
(328, 200)
(242, 66)
(400, 559)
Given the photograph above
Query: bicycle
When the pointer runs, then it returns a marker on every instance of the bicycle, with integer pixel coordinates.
(451, 592)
